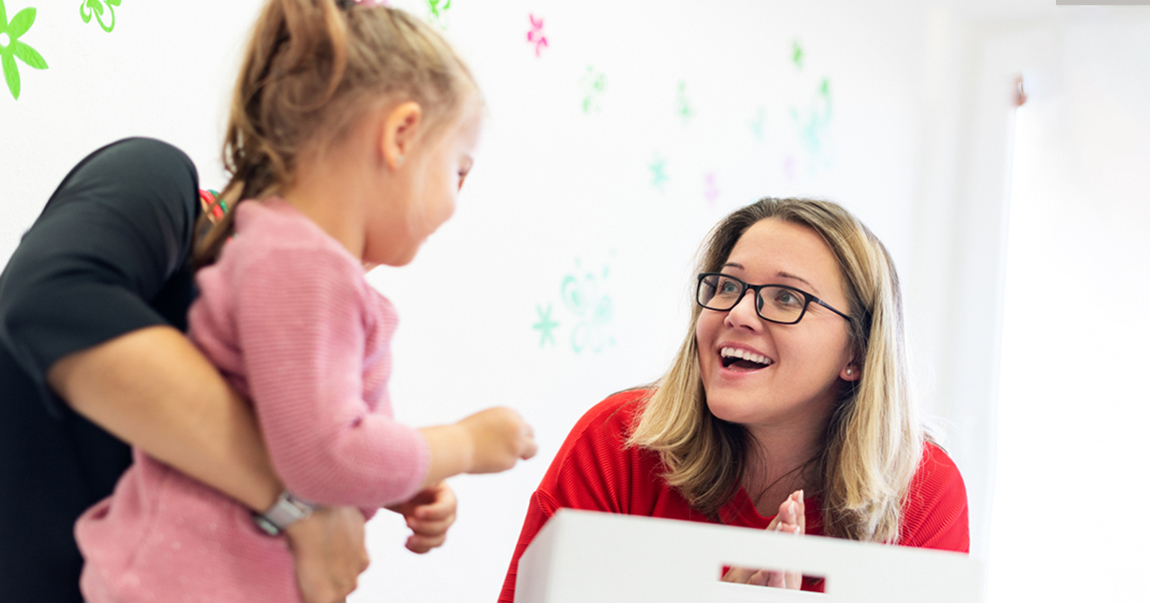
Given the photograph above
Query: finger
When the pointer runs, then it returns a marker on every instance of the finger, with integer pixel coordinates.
(440, 509)
(793, 580)
(759, 578)
(429, 528)
(422, 544)
(784, 513)
(802, 512)
(775, 579)
(529, 450)
(738, 575)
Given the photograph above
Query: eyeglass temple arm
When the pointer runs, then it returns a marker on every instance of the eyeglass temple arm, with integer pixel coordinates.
(828, 306)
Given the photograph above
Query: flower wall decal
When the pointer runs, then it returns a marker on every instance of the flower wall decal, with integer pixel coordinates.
(96, 7)
(11, 48)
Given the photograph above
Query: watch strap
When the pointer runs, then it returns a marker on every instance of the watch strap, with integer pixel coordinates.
(286, 510)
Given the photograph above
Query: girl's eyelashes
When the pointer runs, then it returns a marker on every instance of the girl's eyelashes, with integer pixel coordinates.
(465, 168)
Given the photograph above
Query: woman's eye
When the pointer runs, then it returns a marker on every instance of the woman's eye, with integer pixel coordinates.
(728, 286)
(787, 298)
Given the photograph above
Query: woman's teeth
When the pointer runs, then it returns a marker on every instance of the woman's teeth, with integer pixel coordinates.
(741, 354)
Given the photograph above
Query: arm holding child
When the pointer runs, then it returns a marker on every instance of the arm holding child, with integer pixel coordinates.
(91, 306)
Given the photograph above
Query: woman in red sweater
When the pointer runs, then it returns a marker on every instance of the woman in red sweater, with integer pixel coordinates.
(786, 407)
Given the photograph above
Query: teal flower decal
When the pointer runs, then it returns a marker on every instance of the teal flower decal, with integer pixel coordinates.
(96, 7)
(11, 48)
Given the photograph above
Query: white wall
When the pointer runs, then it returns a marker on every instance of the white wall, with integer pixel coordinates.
(1072, 405)
(1055, 415)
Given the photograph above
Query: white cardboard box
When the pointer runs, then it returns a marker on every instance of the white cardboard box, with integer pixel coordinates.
(584, 557)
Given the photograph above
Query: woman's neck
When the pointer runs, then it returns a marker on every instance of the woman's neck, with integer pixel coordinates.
(779, 461)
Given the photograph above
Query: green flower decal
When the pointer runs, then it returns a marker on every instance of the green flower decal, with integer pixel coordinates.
(96, 7)
(11, 48)
(437, 12)
(432, 5)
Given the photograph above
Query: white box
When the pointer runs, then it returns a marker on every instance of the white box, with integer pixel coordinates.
(584, 557)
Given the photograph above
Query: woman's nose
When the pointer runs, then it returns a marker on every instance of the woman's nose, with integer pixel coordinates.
(744, 313)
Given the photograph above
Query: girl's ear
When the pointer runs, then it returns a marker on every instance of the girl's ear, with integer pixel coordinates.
(850, 372)
(401, 129)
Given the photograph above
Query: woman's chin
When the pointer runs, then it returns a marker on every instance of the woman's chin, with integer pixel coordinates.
(733, 411)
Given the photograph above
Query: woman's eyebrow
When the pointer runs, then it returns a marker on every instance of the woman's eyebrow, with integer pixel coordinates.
(798, 278)
(779, 273)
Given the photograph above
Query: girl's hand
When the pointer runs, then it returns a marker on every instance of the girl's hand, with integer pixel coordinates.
(792, 519)
(329, 553)
(499, 438)
(488, 441)
(429, 514)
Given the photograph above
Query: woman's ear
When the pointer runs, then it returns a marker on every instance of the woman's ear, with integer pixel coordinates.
(402, 126)
(850, 372)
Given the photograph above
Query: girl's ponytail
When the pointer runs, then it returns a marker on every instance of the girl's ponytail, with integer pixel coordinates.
(293, 64)
(311, 68)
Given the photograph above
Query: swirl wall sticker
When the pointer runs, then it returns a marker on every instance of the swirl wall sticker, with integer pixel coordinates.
(587, 310)
(97, 9)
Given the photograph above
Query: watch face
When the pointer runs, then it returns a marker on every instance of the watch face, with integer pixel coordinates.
(268, 527)
(287, 510)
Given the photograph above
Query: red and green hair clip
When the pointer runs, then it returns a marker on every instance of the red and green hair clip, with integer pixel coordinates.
(213, 205)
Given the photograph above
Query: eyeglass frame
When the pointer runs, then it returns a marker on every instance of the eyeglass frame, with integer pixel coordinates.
(807, 298)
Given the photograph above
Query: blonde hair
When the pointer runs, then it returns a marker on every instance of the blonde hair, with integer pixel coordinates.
(311, 69)
(873, 439)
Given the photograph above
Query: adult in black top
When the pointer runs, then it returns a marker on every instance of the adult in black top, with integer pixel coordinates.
(92, 306)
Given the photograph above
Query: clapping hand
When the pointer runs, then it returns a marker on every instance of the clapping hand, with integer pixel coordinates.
(791, 519)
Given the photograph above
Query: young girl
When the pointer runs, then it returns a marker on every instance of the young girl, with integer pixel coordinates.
(351, 131)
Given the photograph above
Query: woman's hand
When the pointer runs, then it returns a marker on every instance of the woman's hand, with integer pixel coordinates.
(429, 514)
(329, 553)
(792, 519)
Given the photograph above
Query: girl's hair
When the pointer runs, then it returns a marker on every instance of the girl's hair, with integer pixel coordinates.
(311, 69)
(873, 440)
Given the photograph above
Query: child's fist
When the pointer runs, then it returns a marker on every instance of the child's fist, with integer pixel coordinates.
(499, 438)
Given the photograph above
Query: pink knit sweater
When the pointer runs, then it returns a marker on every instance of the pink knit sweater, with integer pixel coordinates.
(288, 318)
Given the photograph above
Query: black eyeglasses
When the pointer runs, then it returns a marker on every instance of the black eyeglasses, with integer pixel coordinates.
(775, 303)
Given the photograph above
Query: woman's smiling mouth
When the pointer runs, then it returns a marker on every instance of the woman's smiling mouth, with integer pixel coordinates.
(743, 360)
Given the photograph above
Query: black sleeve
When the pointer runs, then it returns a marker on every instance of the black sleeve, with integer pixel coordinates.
(110, 238)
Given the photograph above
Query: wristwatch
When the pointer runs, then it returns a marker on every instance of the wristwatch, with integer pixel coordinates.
(286, 510)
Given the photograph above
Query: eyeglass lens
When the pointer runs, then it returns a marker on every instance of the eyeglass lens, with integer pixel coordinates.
(773, 302)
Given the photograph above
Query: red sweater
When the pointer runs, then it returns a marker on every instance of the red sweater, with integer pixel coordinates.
(595, 471)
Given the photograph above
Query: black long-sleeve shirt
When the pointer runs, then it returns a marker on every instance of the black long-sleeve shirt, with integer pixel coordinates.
(107, 256)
